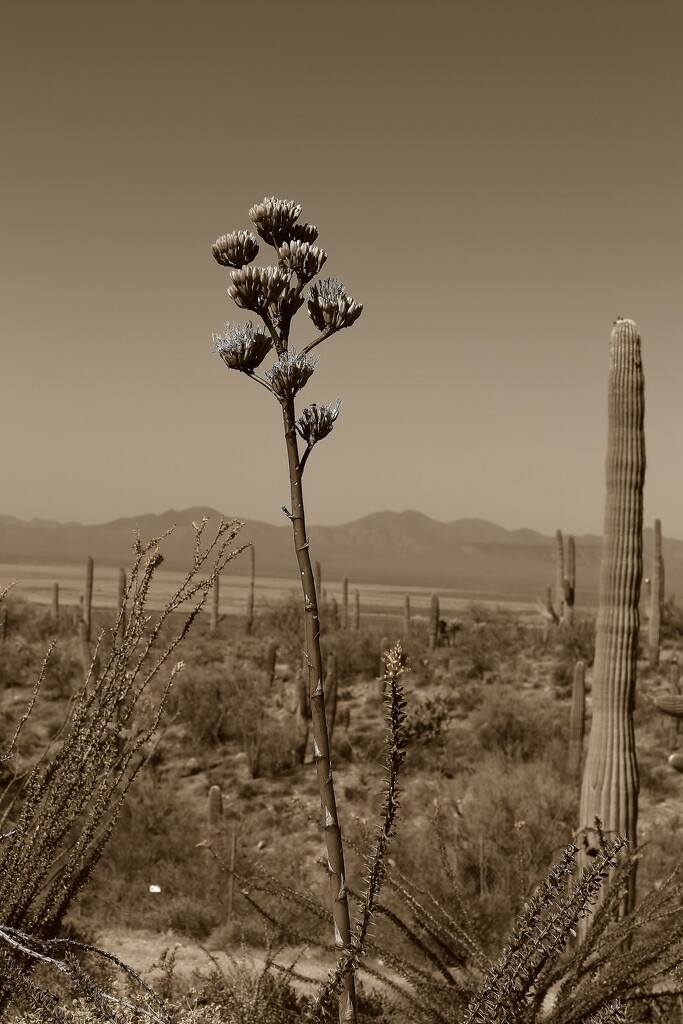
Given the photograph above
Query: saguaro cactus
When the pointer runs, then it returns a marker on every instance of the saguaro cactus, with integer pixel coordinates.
(345, 603)
(122, 605)
(331, 689)
(356, 609)
(434, 622)
(610, 778)
(559, 574)
(656, 598)
(406, 616)
(569, 581)
(55, 604)
(215, 605)
(87, 596)
(269, 661)
(577, 718)
(251, 593)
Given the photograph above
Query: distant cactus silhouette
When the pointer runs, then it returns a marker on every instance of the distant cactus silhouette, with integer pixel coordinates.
(569, 581)
(87, 597)
(215, 605)
(434, 622)
(251, 593)
(331, 694)
(610, 777)
(356, 609)
(345, 603)
(406, 616)
(270, 659)
(55, 604)
(656, 598)
(577, 719)
(122, 605)
(559, 575)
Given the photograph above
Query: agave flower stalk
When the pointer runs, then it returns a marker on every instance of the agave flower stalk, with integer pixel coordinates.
(275, 294)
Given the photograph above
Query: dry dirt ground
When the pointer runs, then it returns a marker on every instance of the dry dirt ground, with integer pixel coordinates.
(142, 950)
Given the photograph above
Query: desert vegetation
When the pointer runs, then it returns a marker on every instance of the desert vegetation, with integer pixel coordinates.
(472, 858)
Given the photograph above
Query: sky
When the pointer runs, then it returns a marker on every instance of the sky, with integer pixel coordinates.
(496, 181)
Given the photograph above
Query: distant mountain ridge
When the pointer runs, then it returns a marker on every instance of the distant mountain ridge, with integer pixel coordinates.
(407, 549)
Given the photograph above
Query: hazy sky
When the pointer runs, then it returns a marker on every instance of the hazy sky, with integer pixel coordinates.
(495, 181)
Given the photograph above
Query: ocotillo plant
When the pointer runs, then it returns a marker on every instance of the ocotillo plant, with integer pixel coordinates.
(275, 294)
(610, 778)
(656, 598)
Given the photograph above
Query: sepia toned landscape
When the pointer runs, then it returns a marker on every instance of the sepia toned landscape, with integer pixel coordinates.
(341, 535)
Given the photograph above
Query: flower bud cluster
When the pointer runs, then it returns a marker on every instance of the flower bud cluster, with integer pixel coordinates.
(236, 249)
(243, 347)
(254, 287)
(330, 308)
(290, 373)
(274, 219)
(305, 260)
(316, 421)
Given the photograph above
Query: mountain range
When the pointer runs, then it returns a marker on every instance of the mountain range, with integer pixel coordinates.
(472, 556)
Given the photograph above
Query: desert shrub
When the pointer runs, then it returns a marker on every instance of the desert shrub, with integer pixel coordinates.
(490, 638)
(672, 619)
(426, 718)
(355, 652)
(513, 724)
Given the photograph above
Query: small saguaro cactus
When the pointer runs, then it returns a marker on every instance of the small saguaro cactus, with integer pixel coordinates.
(87, 596)
(577, 718)
(559, 574)
(251, 593)
(274, 294)
(215, 808)
(269, 661)
(331, 692)
(434, 622)
(215, 605)
(345, 603)
(656, 598)
(356, 609)
(55, 604)
(122, 605)
(569, 581)
(610, 777)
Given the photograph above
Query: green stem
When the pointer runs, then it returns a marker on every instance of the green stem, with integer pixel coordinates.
(333, 838)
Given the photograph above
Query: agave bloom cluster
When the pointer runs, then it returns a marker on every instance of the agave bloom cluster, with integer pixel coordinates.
(255, 287)
(290, 373)
(235, 250)
(243, 347)
(304, 259)
(316, 421)
(330, 308)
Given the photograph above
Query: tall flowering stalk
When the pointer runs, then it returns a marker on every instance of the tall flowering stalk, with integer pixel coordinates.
(275, 294)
